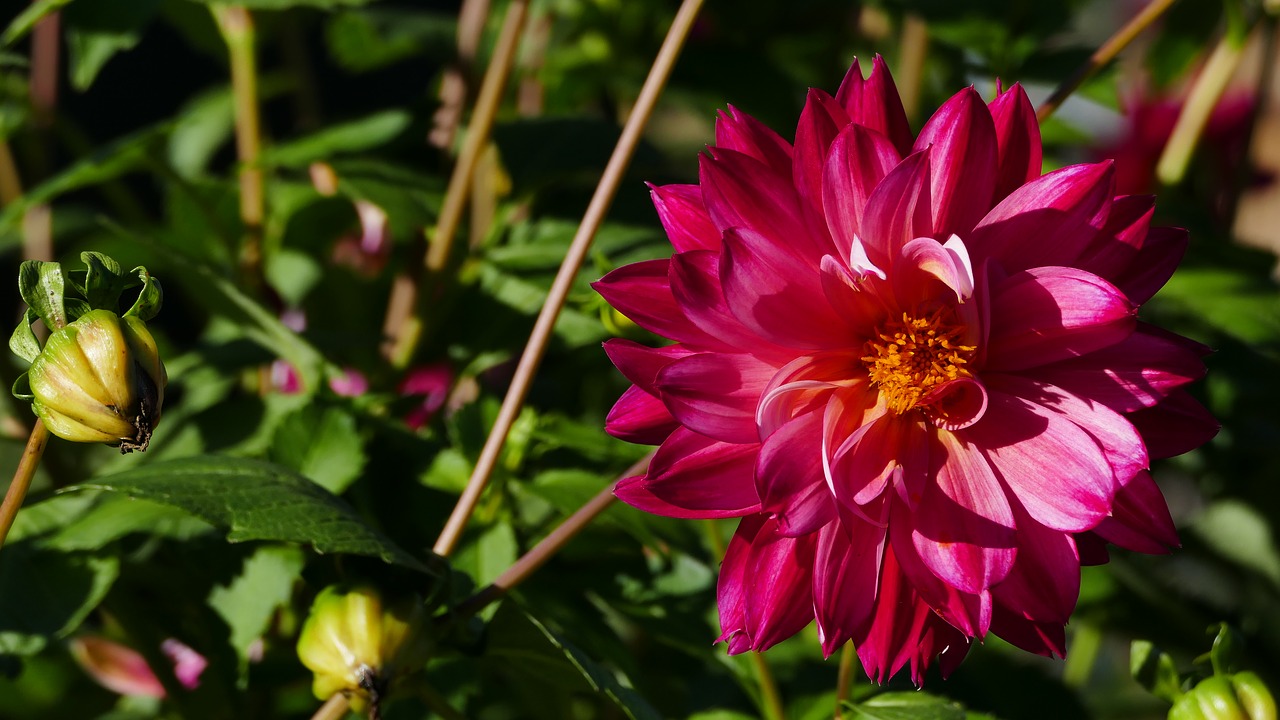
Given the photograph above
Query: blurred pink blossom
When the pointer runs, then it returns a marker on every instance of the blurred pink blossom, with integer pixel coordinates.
(123, 670)
(432, 384)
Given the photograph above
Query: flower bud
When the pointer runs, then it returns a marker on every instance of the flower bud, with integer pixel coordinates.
(358, 646)
(100, 379)
(1241, 696)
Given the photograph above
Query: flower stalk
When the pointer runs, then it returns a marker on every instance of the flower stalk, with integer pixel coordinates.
(26, 470)
(581, 243)
(236, 25)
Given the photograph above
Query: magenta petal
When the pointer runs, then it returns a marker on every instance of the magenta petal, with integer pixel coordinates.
(1140, 519)
(771, 291)
(692, 476)
(845, 578)
(1154, 264)
(1117, 244)
(879, 451)
(963, 139)
(742, 192)
(820, 121)
(766, 586)
(858, 160)
(684, 217)
(639, 363)
(898, 210)
(1056, 470)
(1136, 372)
(1045, 581)
(926, 269)
(738, 131)
(874, 103)
(1042, 638)
(716, 394)
(964, 529)
(899, 621)
(639, 417)
(1018, 140)
(1175, 425)
(789, 477)
(853, 297)
(970, 613)
(1051, 220)
(642, 292)
(955, 405)
(1043, 315)
(695, 284)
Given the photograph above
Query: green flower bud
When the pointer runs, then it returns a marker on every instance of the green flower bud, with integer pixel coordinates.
(100, 379)
(358, 646)
(1242, 696)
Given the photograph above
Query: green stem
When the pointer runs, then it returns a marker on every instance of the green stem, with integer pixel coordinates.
(1103, 55)
(236, 25)
(915, 47)
(844, 678)
(22, 478)
(769, 696)
(1085, 646)
(335, 708)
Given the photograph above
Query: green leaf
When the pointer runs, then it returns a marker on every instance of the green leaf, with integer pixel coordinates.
(150, 297)
(533, 653)
(103, 281)
(322, 444)
(256, 500)
(286, 4)
(42, 288)
(249, 602)
(358, 135)
(491, 554)
(1240, 533)
(367, 39)
(1226, 650)
(47, 594)
(115, 516)
(23, 342)
(28, 18)
(909, 706)
(1154, 670)
(97, 30)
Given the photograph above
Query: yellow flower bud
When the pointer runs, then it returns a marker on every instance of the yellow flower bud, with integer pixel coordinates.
(100, 379)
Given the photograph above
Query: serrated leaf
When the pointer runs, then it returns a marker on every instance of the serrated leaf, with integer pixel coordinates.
(909, 706)
(355, 136)
(24, 342)
(248, 603)
(47, 594)
(256, 500)
(321, 444)
(116, 516)
(42, 286)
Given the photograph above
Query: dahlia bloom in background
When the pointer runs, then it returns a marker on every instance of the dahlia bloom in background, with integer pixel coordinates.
(123, 670)
(913, 367)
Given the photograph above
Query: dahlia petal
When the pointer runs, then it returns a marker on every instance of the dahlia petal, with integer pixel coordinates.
(898, 210)
(715, 394)
(801, 386)
(640, 363)
(692, 476)
(684, 217)
(963, 138)
(900, 617)
(1114, 249)
(1120, 442)
(1154, 264)
(789, 478)
(769, 291)
(820, 122)
(1042, 638)
(862, 466)
(1136, 372)
(642, 292)
(1140, 519)
(736, 130)
(1175, 425)
(964, 529)
(923, 263)
(858, 160)
(695, 284)
(874, 103)
(845, 578)
(1044, 583)
(955, 405)
(1047, 314)
(970, 613)
(1017, 139)
(1092, 549)
(639, 417)
(1049, 221)
(1056, 470)
(742, 192)
(852, 297)
(769, 592)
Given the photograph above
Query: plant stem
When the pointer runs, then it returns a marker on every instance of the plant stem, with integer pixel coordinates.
(37, 221)
(591, 220)
(844, 678)
(1103, 55)
(1193, 118)
(525, 566)
(769, 695)
(915, 46)
(27, 465)
(401, 328)
(335, 708)
(1086, 642)
(236, 25)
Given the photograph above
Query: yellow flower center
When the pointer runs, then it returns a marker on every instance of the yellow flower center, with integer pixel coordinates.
(907, 358)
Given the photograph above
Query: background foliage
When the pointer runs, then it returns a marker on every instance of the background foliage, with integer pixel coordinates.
(263, 484)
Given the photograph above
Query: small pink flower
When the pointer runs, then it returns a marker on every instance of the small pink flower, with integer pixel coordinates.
(352, 383)
(430, 382)
(123, 670)
(912, 366)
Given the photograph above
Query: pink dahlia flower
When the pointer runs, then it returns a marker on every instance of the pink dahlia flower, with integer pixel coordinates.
(913, 366)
